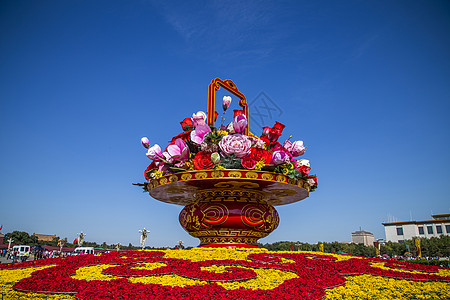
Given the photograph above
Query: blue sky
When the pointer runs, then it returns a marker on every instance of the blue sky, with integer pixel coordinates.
(365, 85)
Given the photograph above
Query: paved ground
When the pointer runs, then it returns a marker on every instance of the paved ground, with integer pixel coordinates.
(3, 260)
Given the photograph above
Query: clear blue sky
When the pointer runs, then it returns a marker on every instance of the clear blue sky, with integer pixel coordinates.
(365, 85)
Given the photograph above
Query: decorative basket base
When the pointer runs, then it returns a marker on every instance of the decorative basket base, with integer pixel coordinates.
(228, 208)
(234, 217)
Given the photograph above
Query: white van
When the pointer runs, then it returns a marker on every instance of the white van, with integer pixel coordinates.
(22, 250)
(85, 250)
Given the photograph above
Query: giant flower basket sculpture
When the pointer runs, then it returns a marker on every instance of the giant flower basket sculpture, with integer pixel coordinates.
(228, 179)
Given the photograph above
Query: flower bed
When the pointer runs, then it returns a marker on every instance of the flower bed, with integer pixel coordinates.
(222, 273)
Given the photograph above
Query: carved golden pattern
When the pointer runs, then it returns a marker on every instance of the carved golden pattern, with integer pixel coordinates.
(217, 174)
(235, 174)
(215, 215)
(163, 181)
(237, 185)
(292, 181)
(186, 176)
(267, 176)
(201, 175)
(251, 175)
(280, 178)
(262, 217)
(173, 178)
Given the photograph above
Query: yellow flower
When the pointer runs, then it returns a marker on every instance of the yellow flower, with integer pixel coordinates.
(222, 132)
(259, 165)
(157, 174)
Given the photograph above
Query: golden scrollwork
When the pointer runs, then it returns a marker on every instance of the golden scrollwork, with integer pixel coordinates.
(163, 181)
(235, 174)
(251, 175)
(237, 185)
(266, 176)
(186, 176)
(292, 181)
(280, 178)
(217, 174)
(173, 178)
(262, 217)
(230, 233)
(214, 215)
(201, 175)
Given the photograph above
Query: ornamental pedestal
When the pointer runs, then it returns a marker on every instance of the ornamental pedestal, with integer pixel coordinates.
(228, 208)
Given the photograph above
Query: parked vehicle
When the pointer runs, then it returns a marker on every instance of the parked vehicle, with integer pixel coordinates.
(22, 250)
(84, 250)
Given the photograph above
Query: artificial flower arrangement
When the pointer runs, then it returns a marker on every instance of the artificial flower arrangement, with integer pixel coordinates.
(204, 147)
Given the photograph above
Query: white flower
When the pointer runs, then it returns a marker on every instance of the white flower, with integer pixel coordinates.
(303, 162)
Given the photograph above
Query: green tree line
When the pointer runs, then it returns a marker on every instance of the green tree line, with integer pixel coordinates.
(432, 247)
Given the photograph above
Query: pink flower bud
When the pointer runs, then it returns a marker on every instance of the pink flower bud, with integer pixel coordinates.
(226, 102)
(145, 142)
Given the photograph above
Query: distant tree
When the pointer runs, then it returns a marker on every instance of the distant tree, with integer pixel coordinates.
(21, 237)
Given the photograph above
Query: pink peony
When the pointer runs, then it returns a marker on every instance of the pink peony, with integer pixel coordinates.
(236, 144)
(240, 123)
(296, 148)
(154, 152)
(179, 151)
(279, 157)
(199, 133)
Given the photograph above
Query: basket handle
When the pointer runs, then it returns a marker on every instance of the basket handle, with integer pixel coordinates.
(231, 87)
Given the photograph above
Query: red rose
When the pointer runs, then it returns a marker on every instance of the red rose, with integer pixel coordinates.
(248, 162)
(150, 167)
(187, 124)
(259, 154)
(202, 161)
(266, 130)
(276, 131)
(238, 112)
(304, 170)
(216, 114)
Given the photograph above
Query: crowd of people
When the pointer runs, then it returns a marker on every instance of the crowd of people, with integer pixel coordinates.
(14, 255)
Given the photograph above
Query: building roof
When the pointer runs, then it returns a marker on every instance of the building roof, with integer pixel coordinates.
(416, 222)
(441, 216)
(362, 232)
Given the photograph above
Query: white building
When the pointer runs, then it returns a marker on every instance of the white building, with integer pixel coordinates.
(400, 231)
(363, 237)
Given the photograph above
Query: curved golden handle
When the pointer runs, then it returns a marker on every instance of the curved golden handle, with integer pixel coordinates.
(231, 87)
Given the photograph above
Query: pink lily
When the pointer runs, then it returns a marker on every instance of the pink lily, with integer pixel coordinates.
(199, 119)
(199, 133)
(154, 153)
(279, 157)
(296, 148)
(179, 151)
(240, 123)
